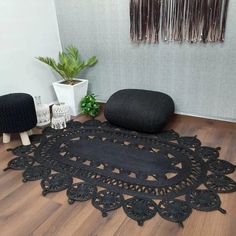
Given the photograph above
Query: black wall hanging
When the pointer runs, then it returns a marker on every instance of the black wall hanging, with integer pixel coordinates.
(178, 20)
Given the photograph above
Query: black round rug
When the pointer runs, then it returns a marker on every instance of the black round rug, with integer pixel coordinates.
(145, 174)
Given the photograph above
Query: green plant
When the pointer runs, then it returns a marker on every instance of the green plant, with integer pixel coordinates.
(70, 65)
(89, 105)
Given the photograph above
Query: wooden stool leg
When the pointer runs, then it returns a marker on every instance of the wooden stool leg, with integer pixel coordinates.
(6, 138)
(25, 138)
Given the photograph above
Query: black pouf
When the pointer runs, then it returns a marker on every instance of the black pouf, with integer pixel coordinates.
(17, 113)
(140, 110)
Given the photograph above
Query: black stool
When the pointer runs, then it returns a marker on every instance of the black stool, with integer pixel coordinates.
(17, 115)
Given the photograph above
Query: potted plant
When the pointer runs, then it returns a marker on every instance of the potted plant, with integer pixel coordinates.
(89, 106)
(70, 89)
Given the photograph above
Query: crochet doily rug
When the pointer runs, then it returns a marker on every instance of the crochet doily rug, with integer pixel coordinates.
(162, 174)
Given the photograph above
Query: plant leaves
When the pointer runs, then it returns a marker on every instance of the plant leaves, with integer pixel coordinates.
(69, 65)
(89, 105)
(91, 61)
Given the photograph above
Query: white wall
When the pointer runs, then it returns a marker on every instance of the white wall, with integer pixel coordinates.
(200, 78)
(28, 28)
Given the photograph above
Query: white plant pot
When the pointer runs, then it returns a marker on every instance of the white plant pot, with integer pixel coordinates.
(71, 94)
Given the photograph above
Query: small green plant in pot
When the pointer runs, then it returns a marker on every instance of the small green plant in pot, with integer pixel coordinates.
(89, 105)
(70, 89)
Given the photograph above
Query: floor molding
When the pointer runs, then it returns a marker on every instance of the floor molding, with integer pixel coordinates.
(206, 117)
(194, 115)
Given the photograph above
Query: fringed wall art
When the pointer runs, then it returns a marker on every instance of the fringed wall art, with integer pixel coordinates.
(178, 20)
(145, 20)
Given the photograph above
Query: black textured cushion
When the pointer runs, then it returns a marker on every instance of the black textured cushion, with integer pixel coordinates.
(140, 110)
(17, 113)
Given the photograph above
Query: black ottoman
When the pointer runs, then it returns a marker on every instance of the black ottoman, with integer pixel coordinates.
(139, 110)
(17, 115)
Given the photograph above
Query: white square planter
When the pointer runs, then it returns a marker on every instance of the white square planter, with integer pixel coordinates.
(71, 94)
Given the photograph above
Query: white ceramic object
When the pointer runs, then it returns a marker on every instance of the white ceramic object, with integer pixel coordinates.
(61, 110)
(42, 112)
(58, 122)
(71, 94)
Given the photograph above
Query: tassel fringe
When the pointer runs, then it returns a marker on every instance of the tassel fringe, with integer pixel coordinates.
(178, 20)
(145, 20)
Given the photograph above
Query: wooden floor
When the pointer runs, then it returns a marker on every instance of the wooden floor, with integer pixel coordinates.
(23, 210)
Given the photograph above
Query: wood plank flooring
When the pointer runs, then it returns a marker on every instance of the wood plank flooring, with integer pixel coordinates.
(23, 210)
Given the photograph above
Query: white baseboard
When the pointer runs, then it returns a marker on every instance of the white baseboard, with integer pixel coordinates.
(193, 115)
(207, 117)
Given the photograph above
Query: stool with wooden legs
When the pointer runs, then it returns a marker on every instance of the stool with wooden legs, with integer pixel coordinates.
(24, 138)
(17, 115)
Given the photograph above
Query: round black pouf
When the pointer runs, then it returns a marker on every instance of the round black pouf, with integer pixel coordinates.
(17, 113)
(139, 110)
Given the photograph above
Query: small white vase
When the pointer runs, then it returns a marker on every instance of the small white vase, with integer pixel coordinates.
(71, 94)
(61, 110)
(42, 112)
(58, 123)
